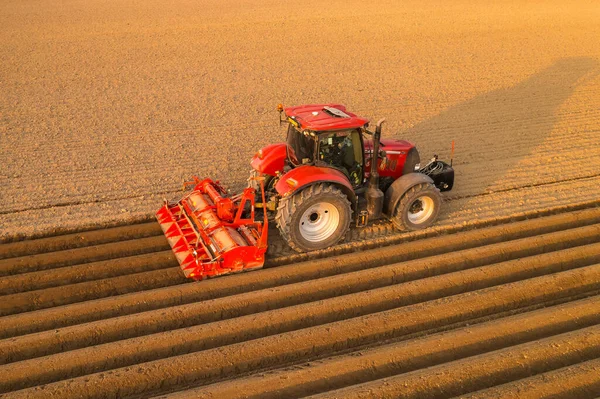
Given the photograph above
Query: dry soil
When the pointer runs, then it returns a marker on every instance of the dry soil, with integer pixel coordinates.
(107, 106)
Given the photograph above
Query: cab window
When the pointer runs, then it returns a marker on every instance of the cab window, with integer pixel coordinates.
(343, 150)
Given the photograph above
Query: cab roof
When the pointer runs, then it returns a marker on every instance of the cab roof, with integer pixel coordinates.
(324, 117)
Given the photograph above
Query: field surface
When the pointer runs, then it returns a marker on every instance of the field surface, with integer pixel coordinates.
(487, 312)
(107, 106)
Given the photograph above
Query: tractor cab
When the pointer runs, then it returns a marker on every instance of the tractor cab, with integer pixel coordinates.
(341, 149)
(327, 136)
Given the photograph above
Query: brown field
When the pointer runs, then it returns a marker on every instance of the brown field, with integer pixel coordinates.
(108, 314)
(107, 106)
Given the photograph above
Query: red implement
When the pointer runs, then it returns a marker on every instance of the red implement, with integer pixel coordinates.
(210, 235)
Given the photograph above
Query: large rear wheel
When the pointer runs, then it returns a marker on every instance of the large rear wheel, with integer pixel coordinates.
(315, 218)
(418, 208)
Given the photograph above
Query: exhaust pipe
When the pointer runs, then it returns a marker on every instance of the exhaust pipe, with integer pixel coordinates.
(374, 195)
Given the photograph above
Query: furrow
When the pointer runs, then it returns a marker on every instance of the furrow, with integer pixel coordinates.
(482, 371)
(579, 381)
(46, 261)
(78, 240)
(311, 342)
(103, 331)
(405, 356)
(77, 313)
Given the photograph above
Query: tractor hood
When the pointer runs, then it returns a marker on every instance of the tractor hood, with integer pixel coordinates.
(396, 152)
(390, 146)
(271, 159)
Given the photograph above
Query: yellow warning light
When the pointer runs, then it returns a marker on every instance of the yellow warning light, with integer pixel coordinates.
(280, 107)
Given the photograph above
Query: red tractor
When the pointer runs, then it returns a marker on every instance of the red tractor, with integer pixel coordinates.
(318, 183)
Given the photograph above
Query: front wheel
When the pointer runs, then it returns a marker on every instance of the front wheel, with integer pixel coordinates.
(315, 218)
(418, 208)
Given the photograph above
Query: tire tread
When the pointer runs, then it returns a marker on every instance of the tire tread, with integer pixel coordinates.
(410, 194)
(288, 205)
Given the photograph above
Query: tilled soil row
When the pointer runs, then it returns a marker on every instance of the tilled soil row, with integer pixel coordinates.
(66, 294)
(477, 372)
(198, 313)
(142, 297)
(306, 343)
(100, 261)
(383, 233)
(405, 356)
(51, 260)
(128, 326)
(20, 283)
(572, 382)
(56, 296)
(78, 240)
(96, 245)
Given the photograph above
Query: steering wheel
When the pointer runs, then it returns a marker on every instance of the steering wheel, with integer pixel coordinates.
(332, 154)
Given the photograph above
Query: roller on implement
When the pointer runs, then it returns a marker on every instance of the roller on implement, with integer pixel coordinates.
(212, 234)
(332, 172)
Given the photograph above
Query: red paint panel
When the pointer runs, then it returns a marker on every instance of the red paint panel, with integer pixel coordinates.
(308, 174)
(313, 117)
(272, 160)
(396, 151)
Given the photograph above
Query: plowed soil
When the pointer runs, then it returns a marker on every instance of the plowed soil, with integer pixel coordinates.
(480, 311)
(107, 106)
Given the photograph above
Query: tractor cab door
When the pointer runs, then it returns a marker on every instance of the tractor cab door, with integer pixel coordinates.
(343, 150)
(302, 146)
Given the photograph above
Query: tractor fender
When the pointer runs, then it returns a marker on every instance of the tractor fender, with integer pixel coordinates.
(400, 186)
(271, 159)
(306, 175)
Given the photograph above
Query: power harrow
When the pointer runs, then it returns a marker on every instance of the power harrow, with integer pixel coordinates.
(212, 234)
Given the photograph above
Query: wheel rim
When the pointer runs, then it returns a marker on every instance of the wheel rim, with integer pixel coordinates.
(319, 222)
(420, 210)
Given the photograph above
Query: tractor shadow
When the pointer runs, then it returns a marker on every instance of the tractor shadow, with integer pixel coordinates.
(494, 131)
